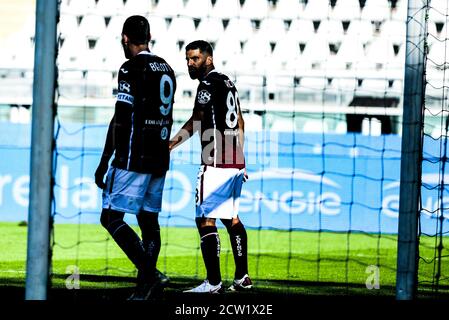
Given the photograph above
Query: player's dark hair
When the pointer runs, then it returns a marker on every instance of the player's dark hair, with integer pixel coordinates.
(137, 29)
(204, 46)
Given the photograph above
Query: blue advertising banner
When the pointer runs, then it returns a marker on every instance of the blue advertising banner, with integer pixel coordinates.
(296, 181)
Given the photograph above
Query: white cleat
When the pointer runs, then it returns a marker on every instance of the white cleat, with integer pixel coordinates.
(206, 287)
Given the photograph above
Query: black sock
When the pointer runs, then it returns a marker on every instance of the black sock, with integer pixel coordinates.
(151, 236)
(124, 236)
(210, 247)
(239, 243)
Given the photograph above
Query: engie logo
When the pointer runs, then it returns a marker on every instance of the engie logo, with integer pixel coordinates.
(290, 191)
(432, 204)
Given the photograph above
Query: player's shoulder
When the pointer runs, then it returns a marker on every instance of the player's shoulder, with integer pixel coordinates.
(125, 68)
(218, 78)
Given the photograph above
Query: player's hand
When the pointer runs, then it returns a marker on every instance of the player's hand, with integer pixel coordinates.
(171, 145)
(245, 175)
(99, 174)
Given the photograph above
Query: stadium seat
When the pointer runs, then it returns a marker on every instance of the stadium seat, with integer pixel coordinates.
(346, 10)
(255, 49)
(182, 28)
(317, 50)
(254, 9)
(167, 48)
(376, 10)
(67, 25)
(71, 52)
(137, 7)
(380, 52)
(239, 28)
(109, 7)
(109, 51)
(272, 29)
(158, 27)
(225, 9)
(115, 25)
(210, 29)
(394, 30)
(198, 8)
(302, 29)
(287, 9)
(361, 30)
(92, 26)
(286, 50)
(169, 8)
(331, 30)
(81, 7)
(316, 10)
(400, 12)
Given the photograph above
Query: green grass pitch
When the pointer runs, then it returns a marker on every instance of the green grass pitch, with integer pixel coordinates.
(297, 262)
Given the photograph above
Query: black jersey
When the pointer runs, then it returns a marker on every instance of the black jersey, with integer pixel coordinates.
(217, 98)
(143, 114)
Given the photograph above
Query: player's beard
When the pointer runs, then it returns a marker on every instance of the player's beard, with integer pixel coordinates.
(197, 73)
(126, 50)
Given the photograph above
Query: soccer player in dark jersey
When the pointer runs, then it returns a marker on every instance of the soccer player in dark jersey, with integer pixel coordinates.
(138, 138)
(218, 118)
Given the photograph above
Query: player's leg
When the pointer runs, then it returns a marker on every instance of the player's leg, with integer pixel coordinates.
(124, 192)
(124, 236)
(238, 238)
(148, 222)
(151, 236)
(239, 244)
(210, 249)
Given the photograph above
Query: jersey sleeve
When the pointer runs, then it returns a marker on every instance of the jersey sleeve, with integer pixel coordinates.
(204, 95)
(125, 96)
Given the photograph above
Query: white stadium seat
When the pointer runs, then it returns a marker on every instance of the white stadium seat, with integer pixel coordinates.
(80, 7)
(142, 7)
(272, 29)
(210, 29)
(302, 30)
(376, 10)
(317, 10)
(287, 9)
(198, 8)
(171, 8)
(182, 28)
(109, 7)
(360, 29)
(239, 28)
(92, 26)
(346, 10)
(254, 9)
(68, 24)
(331, 29)
(225, 9)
